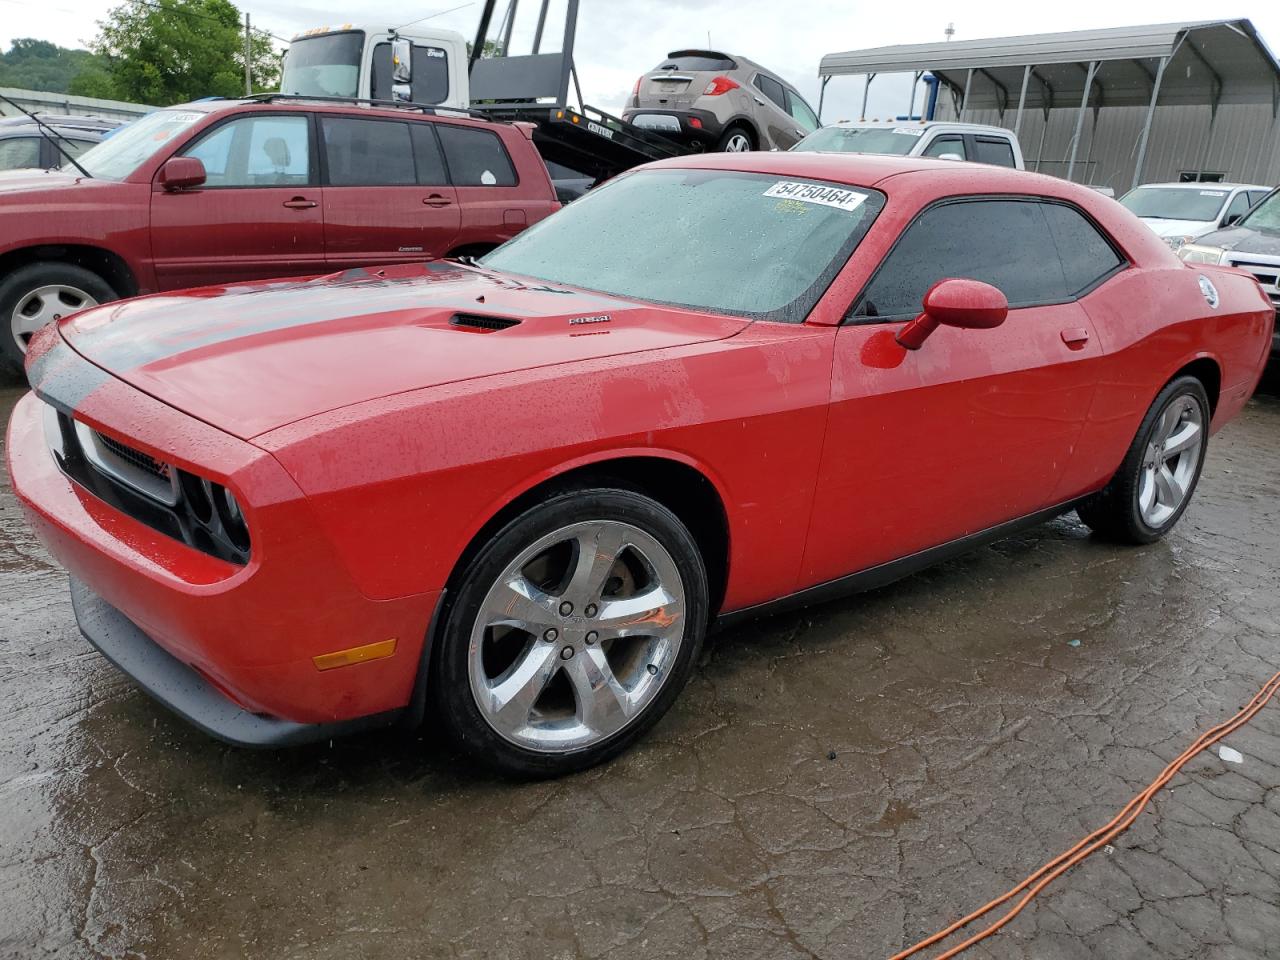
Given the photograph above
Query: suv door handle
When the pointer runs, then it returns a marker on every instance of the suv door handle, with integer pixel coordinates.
(300, 203)
(435, 200)
(758, 100)
(1075, 337)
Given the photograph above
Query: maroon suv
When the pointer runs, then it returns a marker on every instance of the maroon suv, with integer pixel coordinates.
(223, 191)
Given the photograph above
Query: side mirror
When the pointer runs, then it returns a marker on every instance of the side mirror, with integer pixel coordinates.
(1232, 220)
(968, 304)
(401, 60)
(182, 173)
(950, 156)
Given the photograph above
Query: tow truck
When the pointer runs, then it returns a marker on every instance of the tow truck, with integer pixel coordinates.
(432, 69)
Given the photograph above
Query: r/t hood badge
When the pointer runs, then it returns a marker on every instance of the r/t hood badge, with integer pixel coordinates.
(599, 318)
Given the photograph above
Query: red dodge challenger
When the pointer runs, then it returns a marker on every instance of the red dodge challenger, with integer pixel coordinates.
(519, 492)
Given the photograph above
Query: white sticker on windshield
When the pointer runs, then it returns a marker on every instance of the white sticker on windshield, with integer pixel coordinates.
(909, 131)
(1213, 193)
(184, 117)
(837, 197)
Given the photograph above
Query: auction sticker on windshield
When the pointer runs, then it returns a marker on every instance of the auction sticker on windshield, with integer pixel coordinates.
(837, 197)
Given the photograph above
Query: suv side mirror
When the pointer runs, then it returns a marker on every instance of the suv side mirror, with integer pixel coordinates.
(950, 156)
(968, 304)
(182, 173)
(1232, 220)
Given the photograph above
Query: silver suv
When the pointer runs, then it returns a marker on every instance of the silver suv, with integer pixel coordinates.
(720, 102)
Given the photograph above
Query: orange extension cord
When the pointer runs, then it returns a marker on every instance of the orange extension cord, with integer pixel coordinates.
(1099, 838)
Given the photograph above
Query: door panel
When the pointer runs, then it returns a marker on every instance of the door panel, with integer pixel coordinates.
(258, 216)
(385, 197)
(973, 429)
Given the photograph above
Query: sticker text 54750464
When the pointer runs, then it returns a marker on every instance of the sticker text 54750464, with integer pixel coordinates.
(838, 197)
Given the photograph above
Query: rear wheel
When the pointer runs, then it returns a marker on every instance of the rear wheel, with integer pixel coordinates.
(737, 139)
(41, 293)
(1152, 488)
(571, 633)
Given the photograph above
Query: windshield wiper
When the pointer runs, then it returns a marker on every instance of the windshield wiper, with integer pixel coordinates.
(50, 134)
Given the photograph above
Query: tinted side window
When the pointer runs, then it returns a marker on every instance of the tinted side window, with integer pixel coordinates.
(1255, 196)
(994, 150)
(19, 152)
(1085, 253)
(772, 89)
(476, 158)
(1239, 204)
(946, 144)
(366, 153)
(259, 151)
(430, 74)
(427, 156)
(1005, 243)
(800, 110)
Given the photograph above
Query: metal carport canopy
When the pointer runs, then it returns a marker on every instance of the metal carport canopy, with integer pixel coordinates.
(1207, 62)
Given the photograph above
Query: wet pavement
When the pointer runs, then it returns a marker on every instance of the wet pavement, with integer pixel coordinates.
(834, 783)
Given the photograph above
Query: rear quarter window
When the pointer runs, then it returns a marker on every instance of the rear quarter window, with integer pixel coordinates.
(1087, 256)
(476, 158)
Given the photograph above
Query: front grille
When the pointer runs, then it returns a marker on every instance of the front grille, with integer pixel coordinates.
(1266, 269)
(142, 461)
(171, 501)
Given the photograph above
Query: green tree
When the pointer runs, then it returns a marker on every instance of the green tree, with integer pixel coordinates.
(40, 65)
(172, 51)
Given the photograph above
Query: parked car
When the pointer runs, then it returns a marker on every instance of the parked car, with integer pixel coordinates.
(924, 138)
(521, 492)
(1251, 243)
(222, 191)
(720, 101)
(24, 146)
(1181, 212)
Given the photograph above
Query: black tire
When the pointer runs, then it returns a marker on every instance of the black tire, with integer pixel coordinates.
(15, 287)
(1114, 512)
(449, 684)
(734, 131)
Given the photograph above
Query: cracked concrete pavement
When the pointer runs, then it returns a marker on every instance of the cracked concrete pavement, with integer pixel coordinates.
(834, 783)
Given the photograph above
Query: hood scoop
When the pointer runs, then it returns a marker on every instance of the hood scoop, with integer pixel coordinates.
(482, 322)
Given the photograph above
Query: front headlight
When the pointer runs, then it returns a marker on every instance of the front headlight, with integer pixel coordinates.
(1201, 253)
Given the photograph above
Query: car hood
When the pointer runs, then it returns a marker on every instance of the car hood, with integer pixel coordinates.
(1177, 228)
(22, 181)
(253, 357)
(1244, 240)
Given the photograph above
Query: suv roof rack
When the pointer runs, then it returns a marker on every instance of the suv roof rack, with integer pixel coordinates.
(425, 108)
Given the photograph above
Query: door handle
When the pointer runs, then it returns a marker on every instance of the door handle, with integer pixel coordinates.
(759, 101)
(1075, 337)
(300, 203)
(435, 200)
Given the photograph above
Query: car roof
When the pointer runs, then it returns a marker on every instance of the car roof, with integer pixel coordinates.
(869, 170)
(1204, 186)
(923, 125)
(303, 104)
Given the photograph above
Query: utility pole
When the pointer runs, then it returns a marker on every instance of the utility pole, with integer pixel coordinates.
(248, 70)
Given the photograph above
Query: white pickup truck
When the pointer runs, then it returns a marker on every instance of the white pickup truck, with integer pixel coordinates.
(916, 138)
(361, 61)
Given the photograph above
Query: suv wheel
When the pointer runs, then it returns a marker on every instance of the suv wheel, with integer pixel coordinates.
(736, 139)
(41, 293)
(571, 633)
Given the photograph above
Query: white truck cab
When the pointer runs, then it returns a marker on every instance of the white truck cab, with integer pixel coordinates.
(919, 138)
(365, 62)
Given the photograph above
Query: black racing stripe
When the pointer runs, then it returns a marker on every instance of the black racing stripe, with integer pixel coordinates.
(146, 331)
(62, 377)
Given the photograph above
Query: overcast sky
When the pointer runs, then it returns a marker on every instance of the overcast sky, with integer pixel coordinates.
(620, 39)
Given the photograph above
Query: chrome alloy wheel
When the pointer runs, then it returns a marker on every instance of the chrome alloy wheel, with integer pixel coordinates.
(738, 143)
(1170, 462)
(577, 636)
(44, 305)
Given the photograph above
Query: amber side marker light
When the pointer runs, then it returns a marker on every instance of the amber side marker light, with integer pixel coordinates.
(345, 658)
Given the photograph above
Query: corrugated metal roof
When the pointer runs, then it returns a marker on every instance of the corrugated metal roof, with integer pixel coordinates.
(1222, 60)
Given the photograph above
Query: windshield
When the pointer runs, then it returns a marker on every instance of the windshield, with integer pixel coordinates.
(327, 65)
(1171, 203)
(755, 245)
(891, 140)
(126, 149)
(1266, 215)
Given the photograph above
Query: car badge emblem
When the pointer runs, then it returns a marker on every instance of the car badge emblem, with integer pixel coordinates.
(601, 318)
(1209, 290)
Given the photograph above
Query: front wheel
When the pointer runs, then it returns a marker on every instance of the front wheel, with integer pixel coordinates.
(1153, 486)
(41, 293)
(571, 633)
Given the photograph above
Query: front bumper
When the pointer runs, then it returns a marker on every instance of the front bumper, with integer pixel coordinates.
(249, 632)
(701, 127)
